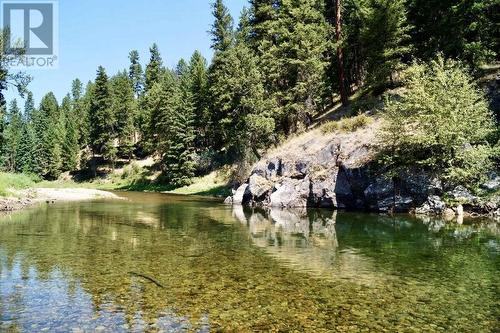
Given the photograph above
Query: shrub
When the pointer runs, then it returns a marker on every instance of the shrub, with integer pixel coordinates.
(355, 123)
(11, 181)
(330, 127)
(347, 125)
(441, 122)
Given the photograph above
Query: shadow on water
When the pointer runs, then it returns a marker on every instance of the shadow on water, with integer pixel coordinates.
(170, 263)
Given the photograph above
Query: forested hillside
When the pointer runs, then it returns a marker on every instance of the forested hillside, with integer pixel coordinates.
(273, 72)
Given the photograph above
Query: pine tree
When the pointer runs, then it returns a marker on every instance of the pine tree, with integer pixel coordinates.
(48, 128)
(83, 107)
(154, 70)
(29, 106)
(123, 109)
(12, 137)
(241, 113)
(135, 73)
(466, 30)
(198, 79)
(70, 146)
(291, 40)
(222, 28)
(385, 40)
(102, 118)
(27, 162)
(179, 157)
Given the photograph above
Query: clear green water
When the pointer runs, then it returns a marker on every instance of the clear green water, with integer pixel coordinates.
(163, 263)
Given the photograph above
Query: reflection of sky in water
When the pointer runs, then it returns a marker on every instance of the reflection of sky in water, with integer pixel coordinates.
(72, 267)
(52, 305)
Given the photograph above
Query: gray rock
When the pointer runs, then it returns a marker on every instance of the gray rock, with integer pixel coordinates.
(259, 188)
(380, 194)
(493, 184)
(322, 192)
(241, 197)
(291, 193)
(462, 194)
(229, 200)
(433, 205)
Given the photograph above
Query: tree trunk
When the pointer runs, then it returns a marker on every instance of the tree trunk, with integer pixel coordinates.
(340, 52)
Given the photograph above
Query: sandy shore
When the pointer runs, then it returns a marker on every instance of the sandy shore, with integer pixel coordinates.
(51, 195)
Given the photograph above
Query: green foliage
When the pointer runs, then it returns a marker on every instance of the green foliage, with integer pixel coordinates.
(384, 36)
(273, 76)
(290, 38)
(198, 86)
(222, 28)
(154, 69)
(241, 114)
(49, 128)
(10, 181)
(135, 73)
(12, 137)
(70, 146)
(441, 122)
(467, 30)
(347, 125)
(103, 120)
(123, 109)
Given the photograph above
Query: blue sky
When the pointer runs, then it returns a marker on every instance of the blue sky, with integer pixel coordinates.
(102, 32)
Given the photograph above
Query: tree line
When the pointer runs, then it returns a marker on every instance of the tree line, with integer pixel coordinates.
(283, 63)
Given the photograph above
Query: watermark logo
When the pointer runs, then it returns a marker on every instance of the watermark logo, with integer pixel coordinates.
(30, 31)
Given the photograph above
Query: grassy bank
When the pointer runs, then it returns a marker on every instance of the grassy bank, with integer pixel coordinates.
(10, 182)
(133, 178)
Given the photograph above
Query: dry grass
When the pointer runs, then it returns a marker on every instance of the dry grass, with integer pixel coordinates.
(347, 125)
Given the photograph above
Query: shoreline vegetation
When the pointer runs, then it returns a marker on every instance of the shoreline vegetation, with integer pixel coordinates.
(18, 191)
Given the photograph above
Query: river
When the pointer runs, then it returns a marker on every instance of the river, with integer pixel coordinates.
(160, 263)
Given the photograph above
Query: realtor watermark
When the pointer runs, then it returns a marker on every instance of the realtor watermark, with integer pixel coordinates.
(31, 34)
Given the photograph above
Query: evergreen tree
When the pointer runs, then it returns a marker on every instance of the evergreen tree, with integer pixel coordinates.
(135, 73)
(79, 112)
(82, 108)
(291, 40)
(179, 157)
(12, 137)
(27, 162)
(102, 118)
(29, 106)
(154, 70)
(468, 30)
(241, 113)
(70, 147)
(48, 128)
(123, 109)
(198, 81)
(385, 39)
(222, 28)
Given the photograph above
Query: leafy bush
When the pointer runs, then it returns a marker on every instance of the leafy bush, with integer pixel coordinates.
(441, 122)
(11, 181)
(330, 127)
(347, 125)
(131, 171)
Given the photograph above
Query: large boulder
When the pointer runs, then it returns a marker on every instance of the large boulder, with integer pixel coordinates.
(242, 196)
(433, 205)
(259, 188)
(290, 193)
(460, 193)
(493, 184)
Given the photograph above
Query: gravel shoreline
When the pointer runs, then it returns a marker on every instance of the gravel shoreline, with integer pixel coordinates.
(30, 197)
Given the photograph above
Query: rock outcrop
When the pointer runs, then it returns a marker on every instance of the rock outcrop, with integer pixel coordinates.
(338, 171)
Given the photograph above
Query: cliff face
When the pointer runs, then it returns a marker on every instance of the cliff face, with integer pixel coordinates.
(338, 171)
